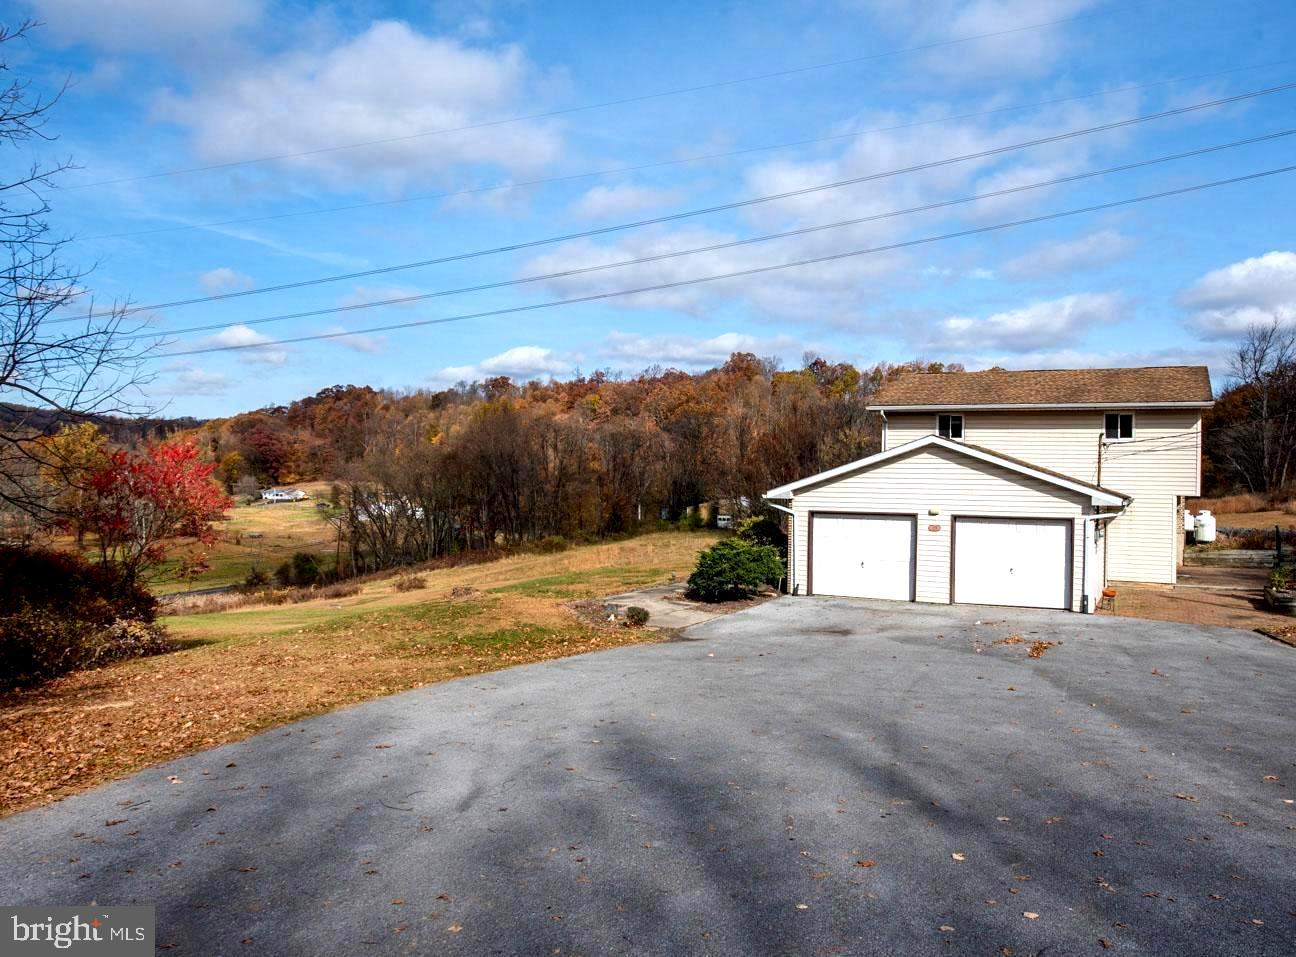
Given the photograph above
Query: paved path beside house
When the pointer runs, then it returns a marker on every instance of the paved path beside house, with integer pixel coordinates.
(812, 776)
(667, 607)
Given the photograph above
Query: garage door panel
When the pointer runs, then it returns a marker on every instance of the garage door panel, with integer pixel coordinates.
(1013, 561)
(863, 556)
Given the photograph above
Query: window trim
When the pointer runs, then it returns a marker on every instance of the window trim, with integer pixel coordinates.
(1133, 427)
(962, 422)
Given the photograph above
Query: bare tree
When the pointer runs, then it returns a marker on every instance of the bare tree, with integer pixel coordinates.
(57, 364)
(1261, 447)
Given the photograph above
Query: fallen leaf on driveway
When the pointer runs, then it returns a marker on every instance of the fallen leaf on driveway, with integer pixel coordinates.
(802, 906)
(1003, 820)
(959, 856)
(1186, 797)
(1106, 944)
(1030, 915)
(866, 863)
(455, 928)
(1271, 777)
(946, 929)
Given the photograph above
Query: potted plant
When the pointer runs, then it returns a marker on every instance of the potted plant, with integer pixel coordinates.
(1279, 594)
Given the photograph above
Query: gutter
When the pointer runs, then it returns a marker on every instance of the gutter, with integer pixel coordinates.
(1100, 517)
(1034, 407)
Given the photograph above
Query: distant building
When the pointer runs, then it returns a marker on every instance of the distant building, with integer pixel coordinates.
(282, 495)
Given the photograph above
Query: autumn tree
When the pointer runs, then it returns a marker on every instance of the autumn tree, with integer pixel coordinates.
(139, 507)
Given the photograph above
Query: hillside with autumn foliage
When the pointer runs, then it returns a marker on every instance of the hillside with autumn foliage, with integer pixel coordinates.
(503, 462)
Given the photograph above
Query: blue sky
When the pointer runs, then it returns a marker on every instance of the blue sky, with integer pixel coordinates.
(162, 86)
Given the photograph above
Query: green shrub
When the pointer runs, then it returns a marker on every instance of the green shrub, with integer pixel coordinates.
(59, 613)
(734, 568)
(763, 530)
(1280, 578)
(636, 617)
(301, 570)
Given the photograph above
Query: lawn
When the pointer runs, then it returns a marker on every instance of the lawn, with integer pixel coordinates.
(241, 671)
(261, 536)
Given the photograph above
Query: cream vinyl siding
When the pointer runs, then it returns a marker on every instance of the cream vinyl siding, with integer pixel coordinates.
(1142, 543)
(955, 485)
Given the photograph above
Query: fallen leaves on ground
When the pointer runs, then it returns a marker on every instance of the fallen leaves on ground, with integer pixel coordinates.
(1039, 647)
(1030, 915)
(959, 856)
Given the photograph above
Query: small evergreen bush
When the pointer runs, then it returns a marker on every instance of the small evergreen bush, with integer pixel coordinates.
(734, 568)
(636, 617)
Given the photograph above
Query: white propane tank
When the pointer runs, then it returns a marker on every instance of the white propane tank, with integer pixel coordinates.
(1188, 521)
(1205, 531)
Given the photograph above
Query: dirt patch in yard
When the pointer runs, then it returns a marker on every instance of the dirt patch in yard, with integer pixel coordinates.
(1229, 607)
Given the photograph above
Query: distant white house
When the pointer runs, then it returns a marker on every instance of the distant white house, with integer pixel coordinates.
(282, 495)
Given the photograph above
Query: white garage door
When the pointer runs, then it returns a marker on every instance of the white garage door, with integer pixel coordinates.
(862, 556)
(1019, 561)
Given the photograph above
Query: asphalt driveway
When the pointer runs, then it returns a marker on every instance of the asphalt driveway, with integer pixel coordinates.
(811, 776)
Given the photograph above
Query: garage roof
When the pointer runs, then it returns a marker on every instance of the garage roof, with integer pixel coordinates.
(1097, 494)
(1149, 387)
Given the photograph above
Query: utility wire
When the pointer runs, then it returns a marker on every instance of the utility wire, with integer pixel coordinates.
(672, 217)
(582, 270)
(569, 177)
(623, 101)
(739, 273)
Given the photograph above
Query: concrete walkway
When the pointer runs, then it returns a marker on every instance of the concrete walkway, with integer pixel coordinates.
(666, 605)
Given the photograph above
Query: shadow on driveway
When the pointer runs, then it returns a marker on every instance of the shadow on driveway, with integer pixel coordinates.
(796, 780)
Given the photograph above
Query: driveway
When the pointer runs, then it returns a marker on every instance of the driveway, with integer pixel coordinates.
(812, 776)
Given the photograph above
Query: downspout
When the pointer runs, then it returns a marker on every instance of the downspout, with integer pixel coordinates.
(791, 559)
(882, 412)
(1101, 517)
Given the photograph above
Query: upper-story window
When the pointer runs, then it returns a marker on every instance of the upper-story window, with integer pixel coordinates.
(950, 426)
(1118, 426)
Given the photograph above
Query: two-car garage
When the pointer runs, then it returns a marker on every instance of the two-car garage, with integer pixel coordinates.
(940, 521)
(996, 561)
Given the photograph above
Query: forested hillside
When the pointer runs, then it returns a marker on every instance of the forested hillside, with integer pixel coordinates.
(430, 471)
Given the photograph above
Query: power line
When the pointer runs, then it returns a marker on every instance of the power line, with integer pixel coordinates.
(405, 300)
(738, 273)
(672, 217)
(702, 157)
(623, 101)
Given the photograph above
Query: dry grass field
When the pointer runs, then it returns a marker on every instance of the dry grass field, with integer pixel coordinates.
(261, 536)
(240, 671)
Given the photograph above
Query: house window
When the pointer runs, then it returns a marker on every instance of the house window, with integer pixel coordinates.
(950, 426)
(1118, 426)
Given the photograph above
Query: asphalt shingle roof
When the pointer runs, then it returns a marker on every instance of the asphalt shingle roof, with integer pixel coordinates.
(1100, 387)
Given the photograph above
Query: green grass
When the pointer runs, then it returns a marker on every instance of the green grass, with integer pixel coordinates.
(502, 638)
(584, 584)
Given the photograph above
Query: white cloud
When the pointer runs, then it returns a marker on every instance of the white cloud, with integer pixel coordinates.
(689, 352)
(191, 380)
(357, 342)
(604, 201)
(362, 294)
(520, 363)
(1029, 52)
(1068, 255)
(241, 337)
(841, 292)
(1254, 291)
(145, 25)
(223, 279)
(1030, 328)
(387, 83)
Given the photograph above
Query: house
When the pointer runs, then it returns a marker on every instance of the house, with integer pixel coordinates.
(1007, 488)
(282, 495)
